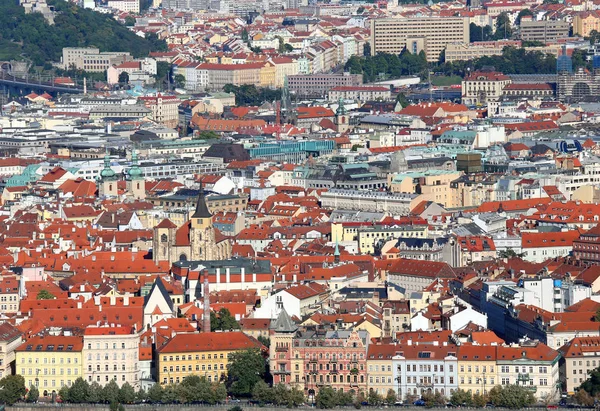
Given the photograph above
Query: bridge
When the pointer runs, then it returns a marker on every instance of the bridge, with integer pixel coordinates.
(34, 83)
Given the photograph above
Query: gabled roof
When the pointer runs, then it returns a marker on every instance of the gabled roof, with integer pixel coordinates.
(284, 323)
(159, 287)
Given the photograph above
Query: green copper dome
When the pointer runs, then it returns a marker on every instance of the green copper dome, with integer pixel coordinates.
(135, 173)
(107, 173)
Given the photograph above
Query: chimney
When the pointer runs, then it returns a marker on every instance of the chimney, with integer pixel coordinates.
(206, 310)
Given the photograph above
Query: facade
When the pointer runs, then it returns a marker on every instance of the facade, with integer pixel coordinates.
(580, 356)
(362, 93)
(416, 34)
(205, 354)
(10, 339)
(477, 371)
(379, 364)
(578, 85)
(460, 51)
(50, 362)
(483, 87)
(91, 59)
(127, 6)
(111, 353)
(318, 85)
(586, 22)
(546, 31)
(164, 109)
(587, 247)
(397, 203)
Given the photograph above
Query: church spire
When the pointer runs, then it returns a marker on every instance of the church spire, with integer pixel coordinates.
(202, 210)
(336, 253)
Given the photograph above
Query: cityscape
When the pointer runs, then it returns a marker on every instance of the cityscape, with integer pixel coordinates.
(300, 203)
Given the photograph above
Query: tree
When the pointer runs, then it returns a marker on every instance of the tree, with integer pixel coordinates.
(78, 393)
(479, 33)
(63, 394)
(326, 398)
(124, 77)
(431, 399)
(126, 394)
(367, 50)
(245, 35)
(401, 98)
(115, 406)
(510, 253)
(511, 396)
(155, 394)
(295, 398)
(33, 395)
(461, 398)
(95, 393)
(582, 397)
(141, 395)
(130, 21)
(281, 45)
(179, 80)
(592, 384)
(262, 393)
(522, 13)
(235, 408)
(223, 321)
(266, 341)
(391, 397)
(207, 135)
(374, 398)
(479, 400)
(244, 370)
(110, 392)
(597, 317)
(45, 295)
(170, 394)
(288, 48)
(503, 28)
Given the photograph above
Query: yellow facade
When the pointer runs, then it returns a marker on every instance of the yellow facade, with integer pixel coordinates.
(585, 23)
(477, 376)
(267, 75)
(50, 362)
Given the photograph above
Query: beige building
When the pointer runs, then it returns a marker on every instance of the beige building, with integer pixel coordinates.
(360, 93)
(284, 66)
(10, 339)
(416, 34)
(586, 22)
(127, 6)
(431, 185)
(91, 59)
(111, 353)
(379, 366)
(260, 74)
(469, 51)
(545, 31)
(483, 87)
(164, 109)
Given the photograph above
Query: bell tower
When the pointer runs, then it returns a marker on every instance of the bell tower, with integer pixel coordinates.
(202, 233)
(341, 118)
(136, 186)
(108, 179)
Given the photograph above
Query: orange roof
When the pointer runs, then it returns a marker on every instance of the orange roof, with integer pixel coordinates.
(209, 341)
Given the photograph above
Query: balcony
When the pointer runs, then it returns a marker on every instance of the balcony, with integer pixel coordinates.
(281, 348)
(281, 372)
(424, 385)
(522, 377)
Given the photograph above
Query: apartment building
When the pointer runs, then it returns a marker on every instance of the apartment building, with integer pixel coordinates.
(111, 353)
(127, 6)
(469, 51)
(10, 339)
(50, 361)
(318, 85)
(586, 22)
(164, 109)
(217, 75)
(416, 34)
(545, 31)
(477, 371)
(580, 356)
(379, 364)
(431, 185)
(206, 354)
(360, 93)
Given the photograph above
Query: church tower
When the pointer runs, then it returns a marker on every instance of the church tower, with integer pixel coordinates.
(202, 233)
(108, 179)
(136, 186)
(341, 118)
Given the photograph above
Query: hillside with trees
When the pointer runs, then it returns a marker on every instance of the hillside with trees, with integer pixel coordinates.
(29, 36)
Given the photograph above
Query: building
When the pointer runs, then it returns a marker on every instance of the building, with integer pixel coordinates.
(416, 34)
(206, 354)
(50, 362)
(414, 275)
(91, 59)
(163, 109)
(195, 240)
(365, 200)
(587, 247)
(578, 85)
(127, 6)
(545, 31)
(111, 353)
(10, 339)
(586, 22)
(483, 87)
(460, 51)
(477, 371)
(218, 75)
(318, 85)
(379, 364)
(360, 93)
(580, 356)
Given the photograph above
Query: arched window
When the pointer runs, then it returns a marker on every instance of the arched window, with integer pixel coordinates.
(183, 257)
(164, 238)
(199, 250)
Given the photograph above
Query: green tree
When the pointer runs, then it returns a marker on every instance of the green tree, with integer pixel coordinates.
(207, 135)
(223, 321)
(374, 398)
(401, 98)
(155, 394)
(244, 370)
(263, 393)
(391, 397)
(126, 394)
(522, 13)
(461, 398)
(245, 35)
(582, 397)
(45, 295)
(179, 80)
(235, 408)
(130, 21)
(503, 28)
(115, 406)
(33, 395)
(479, 400)
(288, 48)
(95, 393)
(510, 253)
(593, 37)
(79, 391)
(295, 397)
(511, 396)
(110, 392)
(124, 77)
(592, 384)
(63, 394)
(141, 395)
(281, 44)
(479, 33)
(367, 50)
(266, 341)
(170, 394)
(326, 398)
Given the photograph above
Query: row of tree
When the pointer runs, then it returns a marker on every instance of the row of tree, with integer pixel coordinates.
(505, 396)
(250, 95)
(385, 65)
